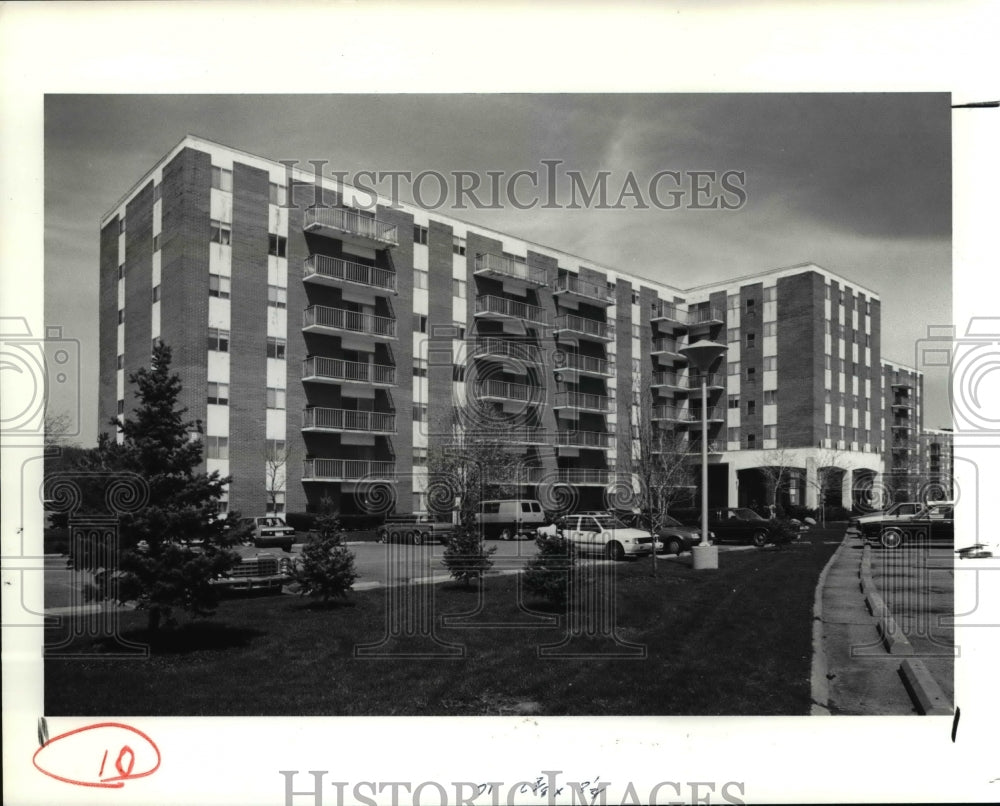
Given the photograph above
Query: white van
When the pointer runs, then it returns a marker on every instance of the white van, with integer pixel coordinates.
(507, 520)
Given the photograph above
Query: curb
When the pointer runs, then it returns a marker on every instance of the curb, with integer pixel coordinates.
(924, 690)
(819, 683)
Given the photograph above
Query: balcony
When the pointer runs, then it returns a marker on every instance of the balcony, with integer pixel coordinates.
(668, 316)
(694, 447)
(490, 307)
(348, 470)
(504, 391)
(693, 419)
(569, 287)
(581, 327)
(585, 476)
(517, 353)
(526, 435)
(320, 369)
(348, 420)
(666, 349)
(904, 406)
(584, 439)
(669, 382)
(901, 425)
(501, 267)
(353, 226)
(713, 380)
(672, 414)
(705, 317)
(581, 401)
(334, 271)
(320, 319)
(902, 385)
(583, 365)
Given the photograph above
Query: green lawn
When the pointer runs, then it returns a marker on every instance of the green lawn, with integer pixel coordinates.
(727, 642)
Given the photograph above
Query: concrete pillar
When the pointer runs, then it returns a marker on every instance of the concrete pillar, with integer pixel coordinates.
(733, 491)
(812, 494)
(847, 489)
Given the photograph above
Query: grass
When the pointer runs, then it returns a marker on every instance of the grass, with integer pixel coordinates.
(728, 642)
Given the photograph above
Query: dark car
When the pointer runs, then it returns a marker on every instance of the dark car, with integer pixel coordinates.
(673, 537)
(933, 523)
(415, 529)
(269, 531)
(736, 525)
(257, 571)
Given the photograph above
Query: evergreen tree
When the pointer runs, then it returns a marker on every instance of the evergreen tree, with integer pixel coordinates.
(326, 568)
(173, 547)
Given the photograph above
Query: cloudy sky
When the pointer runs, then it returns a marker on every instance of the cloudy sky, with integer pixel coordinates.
(859, 184)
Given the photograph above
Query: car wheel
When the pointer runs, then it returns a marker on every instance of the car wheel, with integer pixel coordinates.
(614, 551)
(759, 538)
(891, 538)
(382, 536)
(674, 546)
(505, 534)
(414, 538)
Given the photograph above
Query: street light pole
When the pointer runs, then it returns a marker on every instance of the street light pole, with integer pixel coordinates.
(702, 354)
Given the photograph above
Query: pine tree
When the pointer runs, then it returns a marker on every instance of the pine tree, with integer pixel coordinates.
(173, 547)
(326, 568)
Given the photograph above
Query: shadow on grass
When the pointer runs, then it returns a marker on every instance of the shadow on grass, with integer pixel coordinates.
(329, 606)
(192, 636)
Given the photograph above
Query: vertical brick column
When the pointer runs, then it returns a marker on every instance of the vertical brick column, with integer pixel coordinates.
(107, 340)
(138, 287)
(801, 392)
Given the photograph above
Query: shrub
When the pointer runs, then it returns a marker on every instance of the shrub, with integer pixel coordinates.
(837, 514)
(326, 568)
(466, 556)
(783, 532)
(549, 574)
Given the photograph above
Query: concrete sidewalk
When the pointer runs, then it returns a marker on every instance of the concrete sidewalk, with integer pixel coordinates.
(853, 673)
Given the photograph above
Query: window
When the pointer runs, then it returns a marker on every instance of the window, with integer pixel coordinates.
(419, 324)
(275, 348)
(216, 447)
(770, 328)
(826, 290)
(733, 334)
(770, 432)
(218, 340)
(636, 331)
(733, 434)
(734, 367)
(277, 194)
(121, 408)
(156, 243)
(734, 401)
(277, 245)
(827, 361)
(419, 278)
(827, 328)
(157, 193)
(751, 407)
(222, 179)
(460, 332)
(121, 225)
(635, 297)
(420, 412)
(733, 302)
(841, 296)
(458, 288)
(221, 233)
(277, 297)
(457, 372)
(274, 450)
(218, 393)
(751, 440)
(156, 293)
(829, 396)
(770, 363)
(770, 397)
(420, 234)
(275, 398)
(458, 245)
(120, 361)
(121, 316)
(121, 271)
(277, 505)
(420, 457)
(770, 293)
(218, 286)
(419, 367)
(751, 340)
(750, 305)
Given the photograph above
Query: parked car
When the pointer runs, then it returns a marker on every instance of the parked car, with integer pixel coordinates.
(737, 525)
(672, 537)
(903, 509)
(508, 520)
(256, 571)
(601, 533)
(270, 531)
(415, 529)
(932, 523)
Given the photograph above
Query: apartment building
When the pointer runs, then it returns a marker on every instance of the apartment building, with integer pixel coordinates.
(326, 344)
(937, 462)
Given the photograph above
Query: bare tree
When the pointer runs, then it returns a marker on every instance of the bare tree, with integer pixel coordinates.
(830, 464)
(276, 459)
(57, 429)
(777, 467)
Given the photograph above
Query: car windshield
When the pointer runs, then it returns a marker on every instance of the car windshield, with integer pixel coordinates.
(609, 522)
(667, 520)
(745, 515)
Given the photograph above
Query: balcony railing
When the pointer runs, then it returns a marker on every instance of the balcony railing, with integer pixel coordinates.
(350, 222)
(902, 425)
(695, 447)
(585, 363)
(490, 264)
(501, 306)
(671, 379)
(584, 439)
(714, 415)
(582, 400)
(666, 344)
(348, 470)
(322, 419)
(335, 369)
(712, 380)
(667, 311)
(671, 413)
(903, 405)
(353, 321)
(587, 327)
(702, 316)
(334, 268)
(526, 435)
(596, 292)
(508, 391)
(503, 348)
(585, 475)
